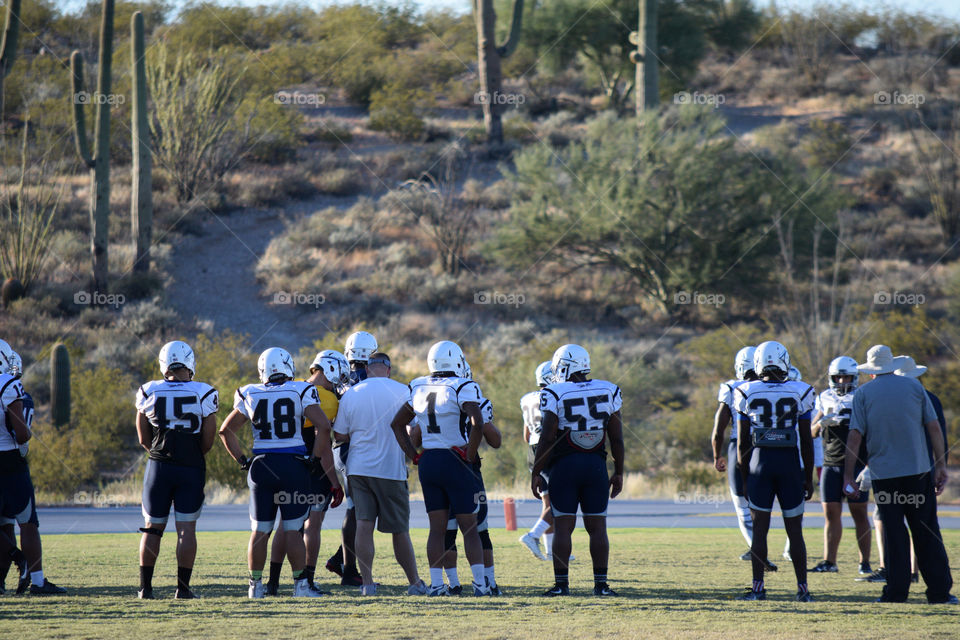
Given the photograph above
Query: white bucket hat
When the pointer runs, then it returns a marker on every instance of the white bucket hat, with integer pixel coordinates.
(909, 368)
(880, 360)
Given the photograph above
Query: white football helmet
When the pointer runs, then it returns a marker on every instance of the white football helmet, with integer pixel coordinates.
(794, 374)
(275, 362)
(6, 357)
(16, 365)
(568, 360)
(743, 362)
(334, 366)
(771, 355)
(843, 366)
(545, 373)
(360, 346)
(176, 354)
(446, 356)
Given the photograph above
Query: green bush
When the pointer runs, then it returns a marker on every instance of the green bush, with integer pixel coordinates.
(398, 109)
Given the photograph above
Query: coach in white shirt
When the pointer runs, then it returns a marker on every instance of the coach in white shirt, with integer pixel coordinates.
(377, 469)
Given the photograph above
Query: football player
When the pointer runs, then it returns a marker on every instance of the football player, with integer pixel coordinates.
(30, 561)
(743, 369)
(279, 474)
(579, 414)
(530, 410)
(774, 413)
(832, 421)
(328, 372)
(359, 347)
(176, 425)
(448, 405)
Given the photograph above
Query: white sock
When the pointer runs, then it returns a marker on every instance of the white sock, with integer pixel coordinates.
(539, 528)
(477, 571)
(452, 576)
(743, 518)
(488, 572)
(36, 577)
(436, 577)
(548, 539)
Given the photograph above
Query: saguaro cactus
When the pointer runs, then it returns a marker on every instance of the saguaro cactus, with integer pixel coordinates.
(8, 46)
(647, 85)
(60, 385)
(141, 199)
(99, 160)
(489, 56)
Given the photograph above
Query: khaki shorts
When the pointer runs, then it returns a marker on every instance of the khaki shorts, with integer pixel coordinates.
(386, 501)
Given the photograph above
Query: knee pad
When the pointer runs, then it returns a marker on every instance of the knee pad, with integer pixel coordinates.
(152, 531)
(485, 540)
(450, 540)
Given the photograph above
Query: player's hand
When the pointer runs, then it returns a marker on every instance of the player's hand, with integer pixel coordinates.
(244, 463)
(851, 488)
(336, 497)
(616, 485)
(536, 485)
(807, 490)
(720, 464)
(416, 458)
(940, 479)
(829, 420)
(315, 467)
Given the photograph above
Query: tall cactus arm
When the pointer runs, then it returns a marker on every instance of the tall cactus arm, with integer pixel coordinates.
(513, 39)
(11, 34)
(78, 95)
(101, 130)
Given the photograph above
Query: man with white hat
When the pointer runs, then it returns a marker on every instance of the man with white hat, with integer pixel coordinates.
(891, 414)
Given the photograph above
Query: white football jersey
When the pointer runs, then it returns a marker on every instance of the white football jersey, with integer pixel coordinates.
(532, 418)
(438, 403)
(10, 391)
(582, 409)
(179, 406)
(276, 412)
(774, 405)
(725, 396)
(829, 402)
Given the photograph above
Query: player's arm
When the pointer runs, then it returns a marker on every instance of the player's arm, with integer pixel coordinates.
(939, 455)
(526, 433)
(615, 435)
(208, 433)
(20, 430)
(228, 434)
(145, 431)
(720, 421)
(854, 439)
(322, 450)
(744, 445)
(492, 435)
(817, 425)
(472, 410)
(399, 425)
(806, 453)
(341, 437)
(416, 436)
(548, 437)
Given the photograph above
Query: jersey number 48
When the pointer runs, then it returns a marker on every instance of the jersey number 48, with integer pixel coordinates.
(281, 422)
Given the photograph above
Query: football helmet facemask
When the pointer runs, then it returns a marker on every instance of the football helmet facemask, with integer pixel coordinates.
(568, 360)
(843, 366)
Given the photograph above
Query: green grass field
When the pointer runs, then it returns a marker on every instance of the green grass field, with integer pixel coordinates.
(672, 583)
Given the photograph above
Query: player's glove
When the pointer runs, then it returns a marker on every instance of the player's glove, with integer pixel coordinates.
(336, 497)
(416, 458)
(244, 463)
(829, 420)
(864, 480)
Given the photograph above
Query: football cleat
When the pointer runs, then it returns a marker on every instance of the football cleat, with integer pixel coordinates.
(301, 589)
(495, 590)
(442, 590)
(603, 589)
(455, 591)
(46, 589)
(804, 596)
(255, 590)
(351, 579)
(825, 566)
(417, 589)
(185, 594)
(368, 590)
(145, 594)
(746, 555)
(787, 556)
(754, 595)
(481, 589)
(533, 544)
(335, 566)
(314, 587)
(271, 589)
(557, 590)
(769, 566)
(865, 569)
(880, 575)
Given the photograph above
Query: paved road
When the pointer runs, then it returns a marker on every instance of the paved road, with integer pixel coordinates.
(622, 513)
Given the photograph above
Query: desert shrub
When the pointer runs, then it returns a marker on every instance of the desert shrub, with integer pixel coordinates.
(398, 109)
(148, 318)
(340, 181)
